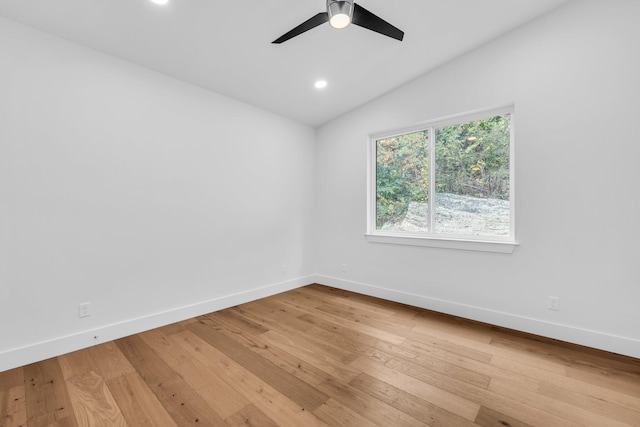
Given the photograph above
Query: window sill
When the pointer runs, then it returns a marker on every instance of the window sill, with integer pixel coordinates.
(434, 242)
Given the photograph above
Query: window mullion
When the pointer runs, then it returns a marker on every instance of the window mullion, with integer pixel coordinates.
(432, 179)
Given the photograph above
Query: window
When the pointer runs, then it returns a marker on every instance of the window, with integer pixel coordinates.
(447, 183)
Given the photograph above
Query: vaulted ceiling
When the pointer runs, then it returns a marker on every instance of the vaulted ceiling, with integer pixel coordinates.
(225, 46)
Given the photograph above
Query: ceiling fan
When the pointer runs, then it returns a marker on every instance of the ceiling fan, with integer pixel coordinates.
(340, 14)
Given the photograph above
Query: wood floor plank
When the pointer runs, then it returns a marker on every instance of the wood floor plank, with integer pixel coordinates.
(301, 299)
(428, 344)
(358, 327)
(109, 361)
(305, 395)
(428, 322)
(455, 367)
(13, 412)
(408, 403)
(250, 416)
(93, 404)
(600, 403)
(280, 314)
(232, 317)
(336, 414)
(284, 411)
(350, 349)
(479, 368)
(601, 379)
(326, 362)
(356, 342)
(322, 294)
(47, 398)
(75, 363)
(622, 370)
(313, 342)
(571, 413)
(186, 406)
(451, 402)
(139, 405)
(203, 381)
(398, 315)
(279, 317)
(369, 407)
(560, 386)
(283, 359)
(374, 307)
(487, 417)
(482, 344)
(366, 318)
(613, 365)
(338, 328)
(348, 297)
(480, 396)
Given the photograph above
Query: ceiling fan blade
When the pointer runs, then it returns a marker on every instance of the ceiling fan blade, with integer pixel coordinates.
(363, 18)
(313, 22)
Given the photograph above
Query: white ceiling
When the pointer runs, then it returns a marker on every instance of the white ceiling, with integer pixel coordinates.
(225, 46)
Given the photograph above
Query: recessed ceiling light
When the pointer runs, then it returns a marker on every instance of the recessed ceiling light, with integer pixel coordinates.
(321, 84)
(160, 2)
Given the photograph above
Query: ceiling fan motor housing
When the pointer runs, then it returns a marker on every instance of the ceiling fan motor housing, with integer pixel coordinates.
(340, 13)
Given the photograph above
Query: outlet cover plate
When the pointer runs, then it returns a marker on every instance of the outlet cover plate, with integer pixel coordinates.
(84, 309)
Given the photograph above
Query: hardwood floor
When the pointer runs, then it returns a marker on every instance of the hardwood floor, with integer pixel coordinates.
(318, 356)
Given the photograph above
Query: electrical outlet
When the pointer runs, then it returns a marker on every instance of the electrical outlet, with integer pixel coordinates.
(553, 303)
(285, 269)
(343, 268)
(84, 309)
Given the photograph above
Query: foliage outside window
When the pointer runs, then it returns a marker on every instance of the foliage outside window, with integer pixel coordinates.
(450, 179)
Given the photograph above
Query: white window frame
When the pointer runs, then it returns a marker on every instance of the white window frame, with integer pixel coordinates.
(432, 239)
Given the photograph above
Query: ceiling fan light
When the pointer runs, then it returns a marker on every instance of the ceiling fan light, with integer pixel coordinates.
(340, 21)
(340, 13)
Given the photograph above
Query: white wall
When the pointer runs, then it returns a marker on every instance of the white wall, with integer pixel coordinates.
(156, 200)
(152, 199)
(574, 79)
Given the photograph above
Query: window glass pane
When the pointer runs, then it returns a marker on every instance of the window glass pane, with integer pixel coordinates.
(402, 182)
(472, 178)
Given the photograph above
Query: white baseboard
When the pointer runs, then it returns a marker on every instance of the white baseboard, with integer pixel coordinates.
(65, 344)
(594, 339)
(43, 350)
